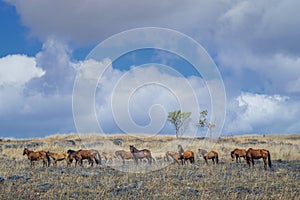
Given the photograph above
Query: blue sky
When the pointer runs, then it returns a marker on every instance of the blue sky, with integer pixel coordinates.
(255, 45)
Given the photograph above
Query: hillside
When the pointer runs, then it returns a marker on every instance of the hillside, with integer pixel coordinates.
(161, 180)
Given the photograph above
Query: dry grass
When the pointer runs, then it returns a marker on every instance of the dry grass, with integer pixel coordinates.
(227, 180)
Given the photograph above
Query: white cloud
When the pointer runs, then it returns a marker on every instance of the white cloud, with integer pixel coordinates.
(18, 69)
(27, 106)
(139, 100)
(260, 113)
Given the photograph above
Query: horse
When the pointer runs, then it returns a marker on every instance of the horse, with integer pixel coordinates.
(185, 155)
(81, 155)
(59, 157)
(202, 152)
(38, 155)
(108, 157)
(140, 154)
(174, 155)
(125, 155)
(252, 154)
(238, 153)
(211, 155)
(71, 156)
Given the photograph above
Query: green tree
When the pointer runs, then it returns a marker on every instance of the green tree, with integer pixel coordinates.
(203, 122)
(179, 119)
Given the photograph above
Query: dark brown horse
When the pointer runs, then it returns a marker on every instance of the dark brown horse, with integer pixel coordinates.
(237, 154)
(185, 155)
(38, 155)
(140, 154)
(71, 156)
(59, 157)
(174, 155)
(81, 155)
(252, 154)
(211, 155)
(125, 155)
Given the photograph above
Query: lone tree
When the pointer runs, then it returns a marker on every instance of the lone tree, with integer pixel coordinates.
(179, 119)
(203, 122)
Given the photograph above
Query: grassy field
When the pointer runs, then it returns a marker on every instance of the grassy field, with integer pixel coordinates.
(162, 180)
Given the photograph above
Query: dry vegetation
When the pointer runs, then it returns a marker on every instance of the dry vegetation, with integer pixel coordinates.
(163, 180)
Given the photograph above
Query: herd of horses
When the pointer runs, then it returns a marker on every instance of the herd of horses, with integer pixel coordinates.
(180, 157)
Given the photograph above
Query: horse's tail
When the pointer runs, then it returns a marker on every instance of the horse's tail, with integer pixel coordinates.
(217, 158)
(269, 159)
(48, 158)
(193, 157)
(97, 158)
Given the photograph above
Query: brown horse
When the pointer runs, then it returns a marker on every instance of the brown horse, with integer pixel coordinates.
(140, 154)
(185, 155)
(38, 155)
(252, 154)
(108, 157)
(59, 157)
(71, 156)
(125, 155)
(81, 155)
(174, 155)
(211, 155)
(237, 154)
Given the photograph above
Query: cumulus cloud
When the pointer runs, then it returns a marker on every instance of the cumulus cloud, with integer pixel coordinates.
(260, 113)
(18, 69)
(27, 109)
(138, 100)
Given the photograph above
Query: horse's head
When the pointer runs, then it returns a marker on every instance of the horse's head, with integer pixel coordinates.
(25, 151)
(180, 149)
(70, 151)
(132, 148)
(232, 155)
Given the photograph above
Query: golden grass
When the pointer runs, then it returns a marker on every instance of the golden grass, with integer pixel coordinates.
(227, 180)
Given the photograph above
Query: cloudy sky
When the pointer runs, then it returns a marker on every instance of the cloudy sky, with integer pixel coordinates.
(44, 45)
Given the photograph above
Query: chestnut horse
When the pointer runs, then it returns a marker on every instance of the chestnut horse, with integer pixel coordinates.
(59, 157)
(211, 155)
(81, 155)
(252, 154)
(140, 154)
(237, 154)
(185, 155)
(125, 155)
(38, 155)
(174, 155)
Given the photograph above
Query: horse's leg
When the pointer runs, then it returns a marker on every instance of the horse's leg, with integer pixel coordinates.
(213, 160)
(149, 159)
(265, 162)
(236, 158)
